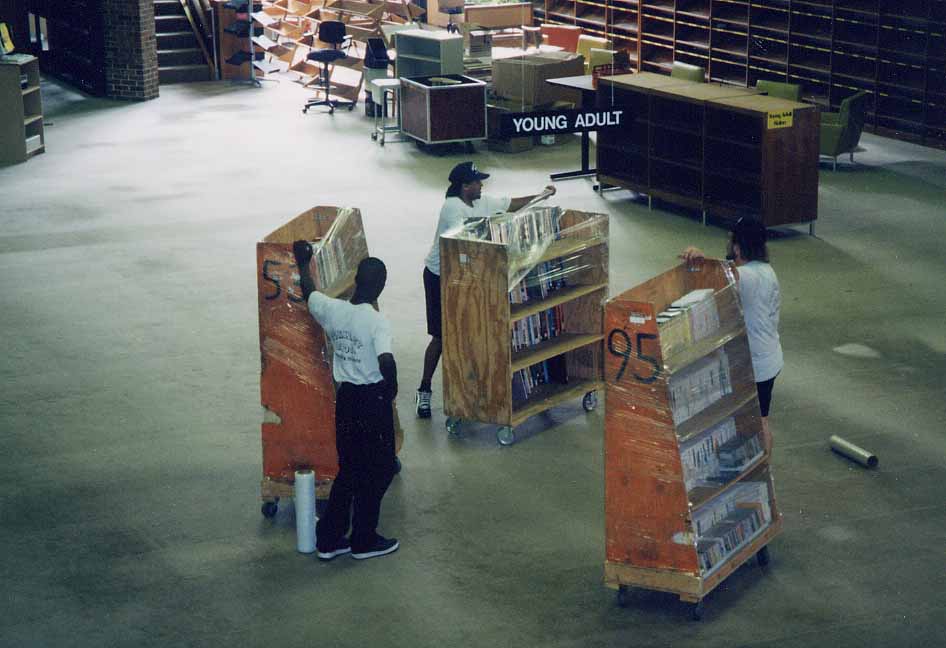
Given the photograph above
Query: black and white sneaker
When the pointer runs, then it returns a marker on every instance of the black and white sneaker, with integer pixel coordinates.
(343, 546)
(422, 400)
(381, 547)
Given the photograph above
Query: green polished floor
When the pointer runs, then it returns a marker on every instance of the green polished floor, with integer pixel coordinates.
(130, 417)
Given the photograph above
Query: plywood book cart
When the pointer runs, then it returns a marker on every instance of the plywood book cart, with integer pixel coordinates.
(688, 490)
(296, 387)
(478, 321)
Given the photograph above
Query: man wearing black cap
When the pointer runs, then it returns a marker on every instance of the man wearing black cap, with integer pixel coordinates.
(366, 378)
(464, 201)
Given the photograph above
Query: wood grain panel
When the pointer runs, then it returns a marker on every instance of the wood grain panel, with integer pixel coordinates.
(477, 377)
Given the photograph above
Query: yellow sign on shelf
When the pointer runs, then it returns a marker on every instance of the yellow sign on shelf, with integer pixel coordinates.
(781, 119)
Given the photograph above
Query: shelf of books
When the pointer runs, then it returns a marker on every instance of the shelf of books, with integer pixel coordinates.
(296, 387)
(522, 296)
(688, 489)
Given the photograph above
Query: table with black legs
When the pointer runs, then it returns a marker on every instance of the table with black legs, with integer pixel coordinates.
(583, 84)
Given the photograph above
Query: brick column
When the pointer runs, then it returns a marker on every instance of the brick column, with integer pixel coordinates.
(131, 54)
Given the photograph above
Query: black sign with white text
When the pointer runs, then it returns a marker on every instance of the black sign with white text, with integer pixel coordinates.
(557, 121)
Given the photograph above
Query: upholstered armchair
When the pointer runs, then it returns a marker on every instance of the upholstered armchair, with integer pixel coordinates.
(790, 91)
(688, 72)
(841, 131)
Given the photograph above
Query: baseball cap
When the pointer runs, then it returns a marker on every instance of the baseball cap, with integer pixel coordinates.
(466, 172)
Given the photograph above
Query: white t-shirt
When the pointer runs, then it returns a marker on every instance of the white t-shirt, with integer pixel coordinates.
(359, 334)
(454, 213)
(761, 302)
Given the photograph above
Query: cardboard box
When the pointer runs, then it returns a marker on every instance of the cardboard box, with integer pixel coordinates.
(494, 111)
(522, 78)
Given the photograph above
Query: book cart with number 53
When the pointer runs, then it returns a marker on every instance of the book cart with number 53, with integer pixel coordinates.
(688, 489)
(297, 391)
(522, 299)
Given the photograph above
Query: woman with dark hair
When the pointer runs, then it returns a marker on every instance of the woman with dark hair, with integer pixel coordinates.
(761, 303)
(464, 201)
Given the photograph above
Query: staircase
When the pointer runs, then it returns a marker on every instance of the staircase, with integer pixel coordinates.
(179, 56)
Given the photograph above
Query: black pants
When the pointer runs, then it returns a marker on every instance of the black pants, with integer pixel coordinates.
(364, 438)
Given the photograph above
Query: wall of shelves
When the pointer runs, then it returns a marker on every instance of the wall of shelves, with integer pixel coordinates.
(893, 49)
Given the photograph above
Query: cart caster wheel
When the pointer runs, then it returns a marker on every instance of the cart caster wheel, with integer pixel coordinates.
(351, 107)
(696, 611)
(452, 425)
(374, 137)
(622, 596)
(382, 142)
(305, 111)
(331, 111)
(269, 509)
(506, 435)
(590, 401)
(397, 466)
(762, 556)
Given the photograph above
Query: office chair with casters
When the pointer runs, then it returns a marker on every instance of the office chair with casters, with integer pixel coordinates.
(451, 8)
(333, 33)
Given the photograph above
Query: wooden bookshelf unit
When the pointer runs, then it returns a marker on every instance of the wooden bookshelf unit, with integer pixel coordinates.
(297, 391)
(688, 489)
(893, 49)
(480, 324)
(721, 149)
(21, 109)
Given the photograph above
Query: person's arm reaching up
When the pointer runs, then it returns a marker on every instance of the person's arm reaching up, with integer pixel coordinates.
(515, 204)
(303, 253)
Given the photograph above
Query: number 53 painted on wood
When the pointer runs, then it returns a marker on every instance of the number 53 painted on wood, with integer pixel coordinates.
(619, 344)
(268, 275)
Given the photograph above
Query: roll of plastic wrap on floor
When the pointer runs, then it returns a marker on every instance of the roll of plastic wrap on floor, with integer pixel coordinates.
(304, 497)
(854, 453)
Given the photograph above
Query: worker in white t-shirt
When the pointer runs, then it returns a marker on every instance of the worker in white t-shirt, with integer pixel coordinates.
(366, 383)
(464, 202)
(761, 304)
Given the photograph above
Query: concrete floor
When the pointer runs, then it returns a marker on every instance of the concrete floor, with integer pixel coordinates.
(130, 445)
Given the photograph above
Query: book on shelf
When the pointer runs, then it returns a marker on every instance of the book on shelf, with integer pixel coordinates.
(730, 521)
(699, 308)
(537, 328)
(33, 143)
(713, 457)
(522, 230)
(545, 278)
(525, 381)
(699, 385)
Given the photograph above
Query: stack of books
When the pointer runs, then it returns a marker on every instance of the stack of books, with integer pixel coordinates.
(731, 521)
(699, 386)
(700, 456)
(718, 455)
(525, 229)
